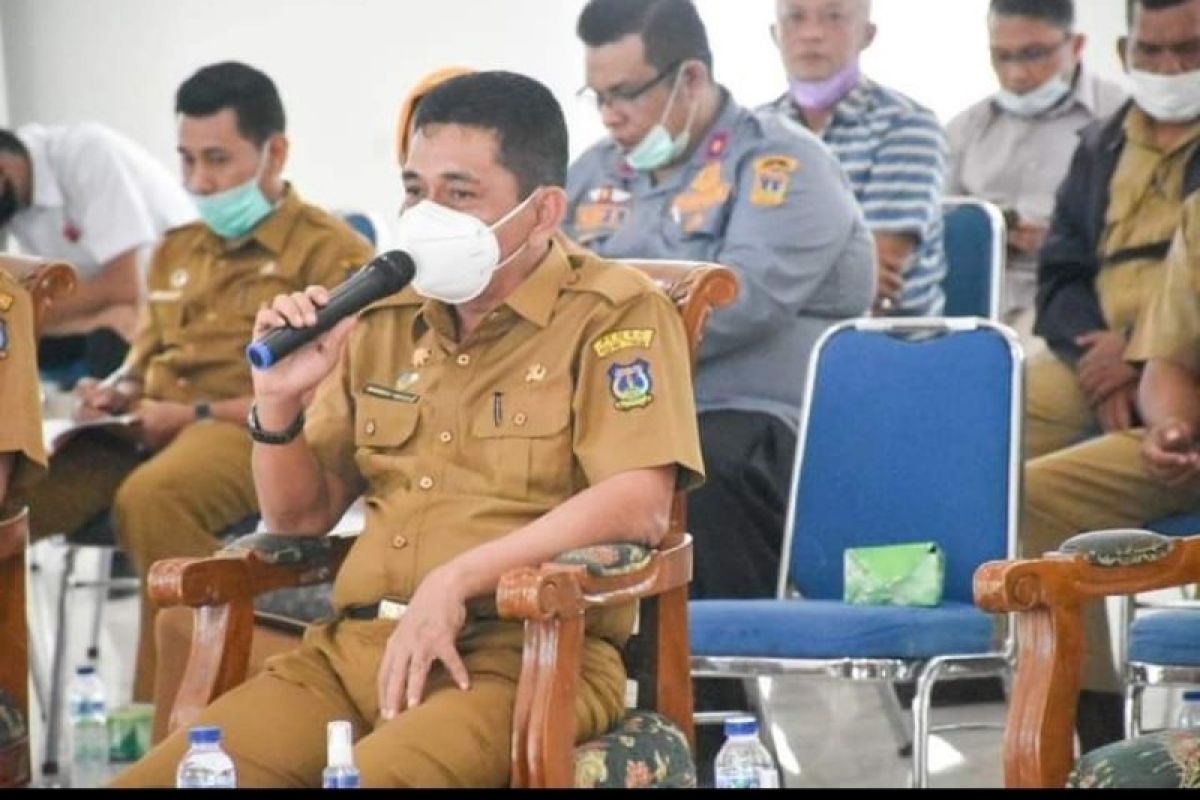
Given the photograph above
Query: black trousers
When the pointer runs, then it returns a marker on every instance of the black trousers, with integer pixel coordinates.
(737, 521)
(737, 517)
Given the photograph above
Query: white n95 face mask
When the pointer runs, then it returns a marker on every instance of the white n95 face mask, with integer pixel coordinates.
(1037, 101)
(1167, 98)
(456, 254)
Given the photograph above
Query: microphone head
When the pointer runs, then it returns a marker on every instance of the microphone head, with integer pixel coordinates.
(259, 355)
(397, 269)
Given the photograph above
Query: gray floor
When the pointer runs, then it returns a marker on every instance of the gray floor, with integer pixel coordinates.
(828, 734)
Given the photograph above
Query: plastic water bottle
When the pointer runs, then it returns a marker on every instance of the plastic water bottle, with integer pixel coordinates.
(205, 765)
(743, 762)
(89, 728)
(1189, 711)
(340, 772)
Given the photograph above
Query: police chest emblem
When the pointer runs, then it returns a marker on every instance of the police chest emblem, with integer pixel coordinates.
(406, 380)
(631, 385)
(179, 278)
(772, 179)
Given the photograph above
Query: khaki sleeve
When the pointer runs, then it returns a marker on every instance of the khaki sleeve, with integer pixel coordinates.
(1169, 326)
(634, 404)
(20, 392)
(329, 425)
(147, 340)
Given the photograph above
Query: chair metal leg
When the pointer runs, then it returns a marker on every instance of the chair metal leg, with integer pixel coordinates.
(1133, 709)
(758, 692)
(100, 588)
(920, 715)
(54, 712)
(893, 712)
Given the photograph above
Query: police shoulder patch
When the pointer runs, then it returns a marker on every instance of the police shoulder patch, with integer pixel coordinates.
(6, 301)
(626, 339)
(631, 385)
(772, 179)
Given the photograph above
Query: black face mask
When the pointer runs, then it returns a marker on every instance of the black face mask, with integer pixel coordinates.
(8, 204)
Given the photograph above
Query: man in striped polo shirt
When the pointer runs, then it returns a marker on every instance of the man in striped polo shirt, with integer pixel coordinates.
(893, 150)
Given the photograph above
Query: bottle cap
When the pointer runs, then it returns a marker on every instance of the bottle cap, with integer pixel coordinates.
(204, 734)
(339, 744)
(741, 726)
(1191, 696)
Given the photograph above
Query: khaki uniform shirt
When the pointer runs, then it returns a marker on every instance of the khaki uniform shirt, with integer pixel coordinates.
(203, 293)
(1170, 327)
(20, 393)
(581, 375)
(1144, 211)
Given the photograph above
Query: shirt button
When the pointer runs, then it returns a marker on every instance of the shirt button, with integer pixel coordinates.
(520, 419)
(182, 383)
(426, 483)
(463, 360)
(445, 437)
(399, 542)
(370, 429)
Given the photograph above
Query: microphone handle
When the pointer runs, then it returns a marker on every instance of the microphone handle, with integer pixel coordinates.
(282, 342)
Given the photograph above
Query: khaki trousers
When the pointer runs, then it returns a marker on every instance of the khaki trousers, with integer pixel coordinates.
(171, 504)
(1095, 485)
(274, 724)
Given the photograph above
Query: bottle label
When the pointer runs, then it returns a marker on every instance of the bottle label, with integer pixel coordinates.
(340, 780)
(738, 779)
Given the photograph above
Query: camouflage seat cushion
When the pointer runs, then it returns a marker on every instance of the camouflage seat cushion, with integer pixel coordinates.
(1162, 760)
(608, 560)
(12, 723)
(646, 750)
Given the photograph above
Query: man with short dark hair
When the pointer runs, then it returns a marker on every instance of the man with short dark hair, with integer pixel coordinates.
(893, 149)
(1013, 148)
(181, 474)
(87, 195)
(688, 174)
(1118, 211)
(495, 417)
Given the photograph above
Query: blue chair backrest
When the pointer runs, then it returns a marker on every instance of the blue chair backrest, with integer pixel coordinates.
(907, 438)
(975, 255)
(363, 224)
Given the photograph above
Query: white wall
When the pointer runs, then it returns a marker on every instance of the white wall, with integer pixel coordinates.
(343, 65)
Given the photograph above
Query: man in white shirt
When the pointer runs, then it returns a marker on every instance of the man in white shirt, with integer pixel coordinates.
(90, 196)
(1014, 146)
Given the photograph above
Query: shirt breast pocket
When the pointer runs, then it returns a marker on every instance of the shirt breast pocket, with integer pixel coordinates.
(383, 426)
(524, 437)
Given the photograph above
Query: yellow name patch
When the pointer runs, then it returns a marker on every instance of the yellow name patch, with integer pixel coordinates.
(616, 341)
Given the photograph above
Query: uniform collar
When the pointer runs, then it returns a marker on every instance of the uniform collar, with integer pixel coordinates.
(1137, 130)
(272, 233)
(534, 300)
(45, 184)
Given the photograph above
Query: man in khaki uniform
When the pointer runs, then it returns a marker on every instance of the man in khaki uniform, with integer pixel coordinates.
(22, 454)
(1116, 212)
(1089, 304)
(181, 474)
(544, 406)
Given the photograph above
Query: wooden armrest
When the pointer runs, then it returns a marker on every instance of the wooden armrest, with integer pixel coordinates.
(246, 568)
(1047, 596)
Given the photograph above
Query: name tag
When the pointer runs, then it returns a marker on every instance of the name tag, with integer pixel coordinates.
(383, 392)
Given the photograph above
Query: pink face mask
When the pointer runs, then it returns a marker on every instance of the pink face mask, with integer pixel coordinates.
(821, 95)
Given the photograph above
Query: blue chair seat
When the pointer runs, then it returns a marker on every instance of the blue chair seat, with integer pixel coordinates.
(1167, 637)
(828, 629)
(1181, 525)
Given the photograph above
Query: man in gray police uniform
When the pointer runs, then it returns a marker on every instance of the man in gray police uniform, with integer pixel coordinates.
(689, 174)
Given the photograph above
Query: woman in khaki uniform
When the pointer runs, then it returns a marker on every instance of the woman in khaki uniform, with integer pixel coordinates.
(549, 408)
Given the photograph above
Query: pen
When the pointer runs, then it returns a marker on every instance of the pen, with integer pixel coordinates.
(497, 408)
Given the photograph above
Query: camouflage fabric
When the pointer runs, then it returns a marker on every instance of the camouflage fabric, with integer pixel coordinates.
(12, 724)
(1119, 548)
(609, 559)
(286, 550)
(1162, 760)
(644, 751)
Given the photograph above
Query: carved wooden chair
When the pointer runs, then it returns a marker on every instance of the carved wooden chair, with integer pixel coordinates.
(1045, 595)
(45, 281)
(551, 599)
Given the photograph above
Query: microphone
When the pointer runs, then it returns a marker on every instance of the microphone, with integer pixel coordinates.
(386, 274)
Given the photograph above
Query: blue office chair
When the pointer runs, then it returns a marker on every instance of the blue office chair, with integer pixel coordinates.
(364, 223)
(911, 433)
(1159, 639)
(976, 249)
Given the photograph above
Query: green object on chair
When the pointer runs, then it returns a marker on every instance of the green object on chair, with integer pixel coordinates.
(895, 575)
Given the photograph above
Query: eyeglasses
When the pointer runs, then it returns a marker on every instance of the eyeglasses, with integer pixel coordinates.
(625, 97)
(1033, 54)
(1187, 53)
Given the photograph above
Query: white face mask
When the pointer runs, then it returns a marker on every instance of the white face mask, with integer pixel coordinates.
(1167, 98)
(456, 254)
(1037, 101)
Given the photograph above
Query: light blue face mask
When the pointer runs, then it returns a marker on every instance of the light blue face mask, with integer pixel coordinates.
(233, 213)
(1037, 101)
(658, 148)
